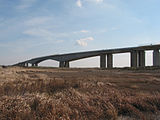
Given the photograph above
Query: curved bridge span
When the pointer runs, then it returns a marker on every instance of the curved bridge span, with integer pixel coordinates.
(137, 55)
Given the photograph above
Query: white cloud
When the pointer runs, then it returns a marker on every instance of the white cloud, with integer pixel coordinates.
(99, 1)
(84, 31)
(38, 32)
(79, 3)
(45, 34)
(38, 21)
(25, 4)
(84, 42)
(104, 5)
(96, 1)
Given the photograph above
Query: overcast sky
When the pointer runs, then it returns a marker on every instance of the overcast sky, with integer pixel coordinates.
(33, 28)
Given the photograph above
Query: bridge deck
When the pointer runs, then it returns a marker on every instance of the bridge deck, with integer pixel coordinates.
(81, 55)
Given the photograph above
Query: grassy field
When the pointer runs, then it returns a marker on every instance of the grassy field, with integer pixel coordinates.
(79, 94)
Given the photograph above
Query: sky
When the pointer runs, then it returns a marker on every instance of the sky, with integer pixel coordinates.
(34, 28)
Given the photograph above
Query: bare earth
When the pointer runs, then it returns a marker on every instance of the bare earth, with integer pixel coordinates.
(79, 94)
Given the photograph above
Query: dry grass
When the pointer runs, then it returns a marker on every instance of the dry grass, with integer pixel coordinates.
(35, 94)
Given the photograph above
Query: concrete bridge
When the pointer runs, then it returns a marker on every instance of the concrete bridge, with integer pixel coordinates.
(137, 55)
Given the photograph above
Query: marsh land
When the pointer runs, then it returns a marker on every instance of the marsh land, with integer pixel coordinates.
(79, 94)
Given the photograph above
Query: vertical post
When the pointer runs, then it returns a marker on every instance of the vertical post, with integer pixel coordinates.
(61, 64)
(32, 64)
(156, 57)
(103, 61)
(66, 64)
(36, 64)
(134, 59)
(23, 64)
(110, 60)
(141, 55)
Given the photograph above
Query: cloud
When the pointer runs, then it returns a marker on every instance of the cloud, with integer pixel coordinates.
(96, 1)
(81, 43)
(25, 4)
(38, 21)
(84, 31)
(99, 1)
(84, 42)
(37, 32)
(104, 5)
(79, 3)
(45, 34)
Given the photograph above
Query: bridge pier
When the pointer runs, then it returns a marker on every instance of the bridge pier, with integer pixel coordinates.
(34, 64)
(134, 57)
(141, 55)
(156, 57)
(23, 64)
(61, 64)
(66, 64)
(138, 58)
(109, 60)
(103, 61)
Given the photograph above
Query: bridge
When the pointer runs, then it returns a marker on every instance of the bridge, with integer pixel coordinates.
(137, 57)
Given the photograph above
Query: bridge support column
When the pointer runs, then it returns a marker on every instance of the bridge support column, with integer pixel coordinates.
(156, 57)
(103, 61)
(23, 64)
(141, 55)
(36, 64)
(109, 60)
(134, 59)
(61, 64)
(66, 64)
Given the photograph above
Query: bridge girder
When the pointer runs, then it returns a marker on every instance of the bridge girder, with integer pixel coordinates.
(80, 55)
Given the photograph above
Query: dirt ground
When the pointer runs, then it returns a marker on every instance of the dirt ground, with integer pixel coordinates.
(54, 93)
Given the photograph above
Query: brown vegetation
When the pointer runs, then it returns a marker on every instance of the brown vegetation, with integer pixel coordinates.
(80, 94)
